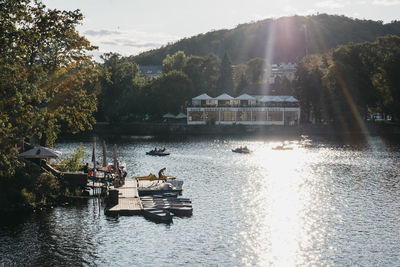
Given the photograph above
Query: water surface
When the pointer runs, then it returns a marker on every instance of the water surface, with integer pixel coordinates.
(321, 204)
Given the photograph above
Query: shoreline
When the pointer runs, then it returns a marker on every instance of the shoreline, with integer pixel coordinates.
(118, 130)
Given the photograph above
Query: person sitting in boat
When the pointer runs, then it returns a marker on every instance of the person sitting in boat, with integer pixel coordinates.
(162, 150)
(161, 173)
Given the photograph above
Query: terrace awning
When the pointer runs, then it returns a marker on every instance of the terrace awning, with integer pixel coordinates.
(180, 116)
(224, 97)
(202, 97)
(169, 116)
(245, 97)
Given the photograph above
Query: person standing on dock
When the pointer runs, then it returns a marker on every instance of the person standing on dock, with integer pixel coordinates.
(161, 173)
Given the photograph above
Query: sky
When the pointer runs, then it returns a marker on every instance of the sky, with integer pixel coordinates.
(129, 27)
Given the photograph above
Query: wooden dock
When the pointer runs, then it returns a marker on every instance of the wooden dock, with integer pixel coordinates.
(128, 200)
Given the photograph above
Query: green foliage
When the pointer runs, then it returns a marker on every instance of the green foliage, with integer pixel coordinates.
(256, 70)
(170, 93)
(121, 88)
(48, 84)
(175, 62)
(46, 189)
(74, 161)
(289, 38)
(225, 80)
(350, 81)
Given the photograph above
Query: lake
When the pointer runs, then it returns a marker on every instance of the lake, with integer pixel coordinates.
(324, 203)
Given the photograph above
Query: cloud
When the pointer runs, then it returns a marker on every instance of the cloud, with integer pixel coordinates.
(128, 41)
(386, 2)
(109, 43)
(333, 4)
(101, 32)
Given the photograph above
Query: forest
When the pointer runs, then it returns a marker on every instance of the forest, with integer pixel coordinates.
(291, 39)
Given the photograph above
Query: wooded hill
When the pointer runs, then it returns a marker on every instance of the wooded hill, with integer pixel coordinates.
(290, 37)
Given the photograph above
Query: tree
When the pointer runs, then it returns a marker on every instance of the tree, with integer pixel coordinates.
(256, 70)
(121, 88)
(194, 71)
(225, 80)
(47, 82)
(210, 73)
(175, 62)
(170, 93)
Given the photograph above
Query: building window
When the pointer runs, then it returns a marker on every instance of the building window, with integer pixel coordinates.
(195, 116)
(244, 116)
(259, 115)
(275, 115)
(211, 116)
(227, 115)
(291, 117)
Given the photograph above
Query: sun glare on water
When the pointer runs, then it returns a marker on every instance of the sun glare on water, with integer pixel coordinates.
(274, 201)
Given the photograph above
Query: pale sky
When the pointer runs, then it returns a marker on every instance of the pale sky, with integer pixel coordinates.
(129, 27)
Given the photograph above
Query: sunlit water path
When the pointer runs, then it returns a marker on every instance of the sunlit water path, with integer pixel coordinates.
(320, 204)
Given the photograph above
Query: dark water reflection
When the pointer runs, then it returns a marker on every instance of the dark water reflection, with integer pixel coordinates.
(322, 203)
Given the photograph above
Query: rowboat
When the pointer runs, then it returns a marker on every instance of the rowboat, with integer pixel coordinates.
(241, 150)
(157, 153)
(157, 215)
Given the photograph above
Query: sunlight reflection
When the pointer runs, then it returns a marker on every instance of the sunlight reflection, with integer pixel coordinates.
(274, 207)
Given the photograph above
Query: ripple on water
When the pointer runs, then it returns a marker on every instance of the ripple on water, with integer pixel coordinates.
(321, 203)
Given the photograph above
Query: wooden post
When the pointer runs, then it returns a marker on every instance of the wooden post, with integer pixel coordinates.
(115, 157)
(104, 154)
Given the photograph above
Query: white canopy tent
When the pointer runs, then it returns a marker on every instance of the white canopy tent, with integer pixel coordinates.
(278, 98)
(39, 152)
(202, 97)
(169, 116)
(224, 97)
(245, 97)
(180, 116)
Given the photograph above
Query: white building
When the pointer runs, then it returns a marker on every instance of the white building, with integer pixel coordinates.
(244, 109)
(282, 70)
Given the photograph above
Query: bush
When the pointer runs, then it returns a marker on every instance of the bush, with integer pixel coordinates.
(46, 188)
(74, 162)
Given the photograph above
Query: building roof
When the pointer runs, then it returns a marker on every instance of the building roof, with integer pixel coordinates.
(180, 116)
(150, 70)
(245, 97)
(224, 97)
(277, 98)
(169, 116)
(202, 97)
(39, 152)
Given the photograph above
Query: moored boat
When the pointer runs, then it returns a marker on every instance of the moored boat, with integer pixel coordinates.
(157, 215)
(243, 150)
(181, 211)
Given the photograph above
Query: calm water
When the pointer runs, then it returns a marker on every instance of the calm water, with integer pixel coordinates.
(320, 204)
